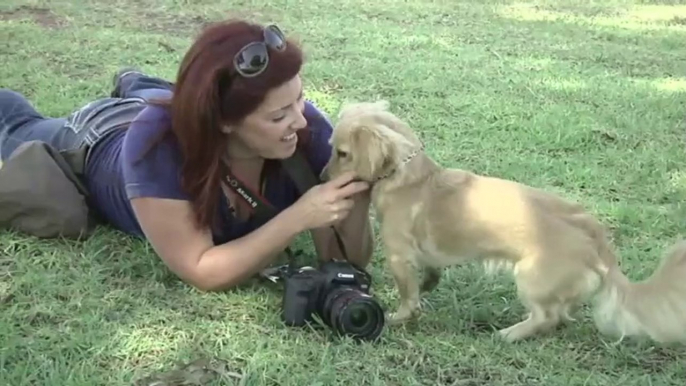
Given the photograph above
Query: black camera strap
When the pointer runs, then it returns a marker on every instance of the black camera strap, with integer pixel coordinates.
(304, 178)
(300, 171)
(259, 205)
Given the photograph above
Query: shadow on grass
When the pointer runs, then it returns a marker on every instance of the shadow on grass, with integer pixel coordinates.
(606, 122)
(109, 301)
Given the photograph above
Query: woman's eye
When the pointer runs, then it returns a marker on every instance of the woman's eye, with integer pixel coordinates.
(279, 119)
(341, 154)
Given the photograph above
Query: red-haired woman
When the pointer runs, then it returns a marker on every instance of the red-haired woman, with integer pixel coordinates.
(160, 153)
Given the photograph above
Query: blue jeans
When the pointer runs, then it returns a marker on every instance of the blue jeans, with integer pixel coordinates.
(20, 122)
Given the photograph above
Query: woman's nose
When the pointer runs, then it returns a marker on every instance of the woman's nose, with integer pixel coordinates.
(300, 122)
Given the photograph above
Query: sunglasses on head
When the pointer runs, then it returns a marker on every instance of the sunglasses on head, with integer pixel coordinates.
(252, 59)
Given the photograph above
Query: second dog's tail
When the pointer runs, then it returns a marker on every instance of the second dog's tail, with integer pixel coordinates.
(653, 308)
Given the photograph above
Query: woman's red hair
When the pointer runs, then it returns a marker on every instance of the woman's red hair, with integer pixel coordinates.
(209, 93)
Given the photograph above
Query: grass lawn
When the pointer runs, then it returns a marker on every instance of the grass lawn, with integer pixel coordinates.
(583, 97)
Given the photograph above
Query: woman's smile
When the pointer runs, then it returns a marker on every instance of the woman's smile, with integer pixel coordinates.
(289, 138)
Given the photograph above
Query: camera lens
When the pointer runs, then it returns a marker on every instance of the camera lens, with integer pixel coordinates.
(352, 312)
(359, 317)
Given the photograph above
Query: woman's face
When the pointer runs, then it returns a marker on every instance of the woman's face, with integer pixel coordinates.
(269, 132)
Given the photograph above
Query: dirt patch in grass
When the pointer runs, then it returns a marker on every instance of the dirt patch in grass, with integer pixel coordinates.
(44, 17)
(173, 25)
(159, 22)
(677, 20)
(198, 372)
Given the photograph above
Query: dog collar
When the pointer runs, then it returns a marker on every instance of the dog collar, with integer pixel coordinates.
(405, 161)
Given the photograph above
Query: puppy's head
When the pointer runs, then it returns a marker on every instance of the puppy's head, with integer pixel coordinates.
(351, 109)
(368, 140)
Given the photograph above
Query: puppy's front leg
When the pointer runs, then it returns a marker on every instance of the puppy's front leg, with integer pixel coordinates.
(406, 280)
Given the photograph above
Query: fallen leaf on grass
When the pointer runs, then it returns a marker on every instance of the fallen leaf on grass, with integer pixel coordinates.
(199, 372)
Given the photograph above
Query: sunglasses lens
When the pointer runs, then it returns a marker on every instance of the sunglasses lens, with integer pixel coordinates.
(252, 59)
(274, 38)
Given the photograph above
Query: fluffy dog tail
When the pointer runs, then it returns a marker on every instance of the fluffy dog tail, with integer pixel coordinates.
(653, 308)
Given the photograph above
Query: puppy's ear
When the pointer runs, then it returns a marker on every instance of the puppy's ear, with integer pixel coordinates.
(369, 152)
(375, 150)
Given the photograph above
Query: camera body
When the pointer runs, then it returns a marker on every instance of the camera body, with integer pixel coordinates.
(338, 293)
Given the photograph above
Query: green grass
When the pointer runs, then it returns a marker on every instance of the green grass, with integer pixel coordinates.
(585, 98)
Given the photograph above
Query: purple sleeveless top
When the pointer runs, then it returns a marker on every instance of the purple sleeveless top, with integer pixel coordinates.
(114, 177)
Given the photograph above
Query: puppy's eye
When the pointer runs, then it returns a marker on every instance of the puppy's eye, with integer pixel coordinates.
(341, 154)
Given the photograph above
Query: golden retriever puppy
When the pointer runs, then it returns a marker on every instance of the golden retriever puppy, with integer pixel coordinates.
(432, 217)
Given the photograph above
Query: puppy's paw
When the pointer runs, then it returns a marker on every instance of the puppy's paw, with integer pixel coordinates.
(395, 319)
(520, 331)
(402, 315)
(509, 335)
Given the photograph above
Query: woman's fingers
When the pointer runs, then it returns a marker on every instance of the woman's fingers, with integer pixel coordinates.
(341, 209)
(346, 205)
(351, 189)
(342, 180)
(342, 206)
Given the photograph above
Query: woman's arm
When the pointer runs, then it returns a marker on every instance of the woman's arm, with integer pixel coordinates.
(168, 224)
(190, 253)
(355, 231)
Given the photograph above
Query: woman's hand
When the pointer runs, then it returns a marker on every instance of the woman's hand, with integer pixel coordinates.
(328, 203)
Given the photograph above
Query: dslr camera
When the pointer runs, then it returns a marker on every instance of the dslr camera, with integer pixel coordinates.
(337, 292)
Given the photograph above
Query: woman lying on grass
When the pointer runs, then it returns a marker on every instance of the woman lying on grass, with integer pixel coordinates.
(237, 107)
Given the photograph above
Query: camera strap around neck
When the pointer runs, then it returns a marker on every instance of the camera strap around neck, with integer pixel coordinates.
(304, 178)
